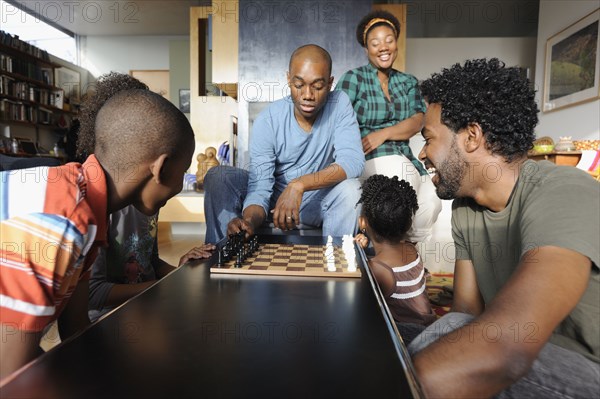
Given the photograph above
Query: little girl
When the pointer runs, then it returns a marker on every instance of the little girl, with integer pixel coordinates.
(388, 206)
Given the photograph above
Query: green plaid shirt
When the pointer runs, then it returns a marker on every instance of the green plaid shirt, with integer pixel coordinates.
(375, 112)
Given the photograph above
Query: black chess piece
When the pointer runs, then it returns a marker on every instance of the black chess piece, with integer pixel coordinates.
(220, 258)
(238, 260)
(245, 251)
(226, 253)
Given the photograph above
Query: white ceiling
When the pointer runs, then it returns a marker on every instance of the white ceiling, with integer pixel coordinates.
(111, 17)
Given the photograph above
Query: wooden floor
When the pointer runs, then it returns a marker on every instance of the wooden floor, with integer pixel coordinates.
(175, 240)
(172, 250)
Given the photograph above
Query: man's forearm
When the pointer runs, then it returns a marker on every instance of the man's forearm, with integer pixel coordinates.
(469, 362)
(331, 175)
(255, 215)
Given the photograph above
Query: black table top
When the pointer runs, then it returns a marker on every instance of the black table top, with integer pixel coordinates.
(200, 335)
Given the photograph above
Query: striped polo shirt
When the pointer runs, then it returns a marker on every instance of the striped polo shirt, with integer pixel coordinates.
(52, 219)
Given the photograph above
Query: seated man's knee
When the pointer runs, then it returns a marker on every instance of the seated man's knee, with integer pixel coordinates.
(343, 200)
(212, 177)
(223, 176)
(349, 192)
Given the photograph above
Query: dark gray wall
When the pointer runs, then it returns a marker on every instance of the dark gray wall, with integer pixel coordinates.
(271, 30)
(470, 18)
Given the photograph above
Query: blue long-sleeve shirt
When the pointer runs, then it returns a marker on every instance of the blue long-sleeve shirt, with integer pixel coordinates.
(281, 151)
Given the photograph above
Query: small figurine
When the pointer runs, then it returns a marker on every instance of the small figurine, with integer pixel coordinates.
(205, 162)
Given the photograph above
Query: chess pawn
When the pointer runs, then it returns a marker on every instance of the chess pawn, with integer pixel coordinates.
(239, 260)
(220, 260)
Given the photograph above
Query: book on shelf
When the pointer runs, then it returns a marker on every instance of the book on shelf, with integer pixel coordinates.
(13, 41)
(45, 116)
(27, 86)
(5, 63)
(6, 83)
(58, 98)
(47, 76)
(11, 110)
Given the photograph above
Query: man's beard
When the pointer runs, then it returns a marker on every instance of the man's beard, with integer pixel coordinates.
(450, 174)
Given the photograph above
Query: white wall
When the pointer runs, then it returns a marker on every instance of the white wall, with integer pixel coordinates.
(580, 121)
(425, 56)
(103, 54)
(179, 67)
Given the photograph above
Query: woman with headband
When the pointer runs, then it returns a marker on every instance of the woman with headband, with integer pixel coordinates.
(390, 109)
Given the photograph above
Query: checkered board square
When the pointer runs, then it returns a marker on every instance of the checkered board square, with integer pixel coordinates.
(290, 260)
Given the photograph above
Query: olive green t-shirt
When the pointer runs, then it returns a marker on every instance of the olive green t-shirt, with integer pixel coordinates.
(550, 206)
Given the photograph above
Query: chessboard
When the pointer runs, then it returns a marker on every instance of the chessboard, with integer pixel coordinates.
(290, 260)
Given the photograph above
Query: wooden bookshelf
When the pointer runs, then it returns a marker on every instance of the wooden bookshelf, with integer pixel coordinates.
(28, 95)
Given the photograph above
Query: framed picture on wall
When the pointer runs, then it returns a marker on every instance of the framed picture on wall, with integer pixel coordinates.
(572, 65)
(184, 100)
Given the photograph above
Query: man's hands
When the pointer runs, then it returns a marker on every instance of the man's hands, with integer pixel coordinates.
(286, 214)
(253, 217)
(238, 224)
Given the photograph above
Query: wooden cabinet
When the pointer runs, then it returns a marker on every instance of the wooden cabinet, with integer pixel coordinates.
(569, 158)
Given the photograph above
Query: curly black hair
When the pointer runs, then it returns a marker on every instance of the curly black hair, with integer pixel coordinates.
(388, 205)
(360, 29)
(498, 98)
(107, 86)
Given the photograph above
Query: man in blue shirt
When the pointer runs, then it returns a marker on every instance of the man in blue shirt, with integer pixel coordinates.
(305, 156)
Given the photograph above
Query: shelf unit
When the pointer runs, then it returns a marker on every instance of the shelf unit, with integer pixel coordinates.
(29, 97)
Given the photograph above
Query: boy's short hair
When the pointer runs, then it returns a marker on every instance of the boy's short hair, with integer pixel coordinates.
(137, 125)
(106, 86)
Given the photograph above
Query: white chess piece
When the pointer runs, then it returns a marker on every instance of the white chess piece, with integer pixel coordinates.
(349, 253)
(329, 254)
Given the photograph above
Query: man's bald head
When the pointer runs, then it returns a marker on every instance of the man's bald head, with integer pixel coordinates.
(312, 53)
(135, 126)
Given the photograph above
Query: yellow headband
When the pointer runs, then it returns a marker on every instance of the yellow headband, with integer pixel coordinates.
(376, 21)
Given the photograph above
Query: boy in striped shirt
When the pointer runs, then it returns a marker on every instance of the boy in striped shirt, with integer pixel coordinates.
(52, 220)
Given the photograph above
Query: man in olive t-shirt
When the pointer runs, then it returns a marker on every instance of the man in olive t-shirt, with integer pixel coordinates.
(537, 216)
(526, 310)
